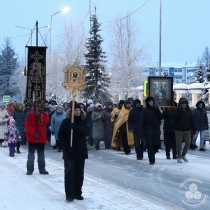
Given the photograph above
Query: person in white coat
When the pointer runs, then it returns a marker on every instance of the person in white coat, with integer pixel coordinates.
(4, 117)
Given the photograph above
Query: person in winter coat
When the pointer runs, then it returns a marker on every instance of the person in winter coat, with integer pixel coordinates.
(183, 123)
(121, 132)
(50, 114)
(19, 115)
(56, 121)
(114, 115)
(83, 107)
(10, 108)
(98, 126)
(90, 123)
(133, 126)
(169, 132)
(149, 127)
(4, 117)
(201, 124)
(12, 136)
(36, 136)
(207, 132)
(108, 125)
(74, 156)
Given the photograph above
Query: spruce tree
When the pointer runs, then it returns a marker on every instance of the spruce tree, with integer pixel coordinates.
(8, 64)
(200, 73)
(97, 80)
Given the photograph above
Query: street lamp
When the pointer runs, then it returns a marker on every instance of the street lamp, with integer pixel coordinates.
(63, 10)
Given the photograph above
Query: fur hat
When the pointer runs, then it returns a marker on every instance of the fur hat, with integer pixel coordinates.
(11, 120)
(149, 99)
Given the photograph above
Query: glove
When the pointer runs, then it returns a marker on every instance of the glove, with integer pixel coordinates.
(72, 125)
(70, 149)
(37, 113)
(36, 136)
(52, 133)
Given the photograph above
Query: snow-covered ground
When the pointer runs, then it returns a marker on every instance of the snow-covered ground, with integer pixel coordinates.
(21, 192)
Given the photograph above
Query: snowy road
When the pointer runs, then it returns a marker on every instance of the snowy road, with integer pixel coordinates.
(112, 181)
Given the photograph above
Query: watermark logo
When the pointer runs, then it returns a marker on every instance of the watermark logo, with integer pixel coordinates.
(193, 197)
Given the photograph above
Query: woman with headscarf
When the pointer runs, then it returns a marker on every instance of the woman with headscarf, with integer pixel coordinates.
(4, 117)
(56, 121)
(108, 125)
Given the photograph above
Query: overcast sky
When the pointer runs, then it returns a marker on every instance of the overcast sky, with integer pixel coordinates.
(185, 23)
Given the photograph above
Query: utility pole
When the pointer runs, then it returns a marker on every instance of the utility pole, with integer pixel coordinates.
(160, 38)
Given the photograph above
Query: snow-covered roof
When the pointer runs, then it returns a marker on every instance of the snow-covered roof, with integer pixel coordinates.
(139, 88)
(196, 86)
(180, 86)
(207, 86)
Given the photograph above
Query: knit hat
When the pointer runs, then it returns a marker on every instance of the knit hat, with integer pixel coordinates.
(92, 105)
(77, 106)
(98, 105)
(89, 101)
(59, 107)
(137, 101)
(127, 102)
(192, 106)
(11, 120)
(121, 102)
(149, 99)
(183, 101)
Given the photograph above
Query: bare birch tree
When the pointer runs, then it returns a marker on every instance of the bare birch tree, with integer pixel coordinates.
(71, 49)
(128, 57)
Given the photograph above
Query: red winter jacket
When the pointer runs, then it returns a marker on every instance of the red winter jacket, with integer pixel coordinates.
(30, 125)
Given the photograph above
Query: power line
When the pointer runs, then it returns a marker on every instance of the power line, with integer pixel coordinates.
(128, 14)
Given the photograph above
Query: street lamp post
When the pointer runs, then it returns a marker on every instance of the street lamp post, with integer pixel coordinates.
(160, 38)
(63, 10)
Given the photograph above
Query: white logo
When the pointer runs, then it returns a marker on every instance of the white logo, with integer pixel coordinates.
(193, 197)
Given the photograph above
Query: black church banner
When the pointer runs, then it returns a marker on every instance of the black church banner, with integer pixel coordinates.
(36, 77)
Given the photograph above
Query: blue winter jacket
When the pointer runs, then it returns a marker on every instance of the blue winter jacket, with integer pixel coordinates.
(56, 121)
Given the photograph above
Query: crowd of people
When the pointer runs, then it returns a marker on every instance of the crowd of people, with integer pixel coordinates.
(120, 126)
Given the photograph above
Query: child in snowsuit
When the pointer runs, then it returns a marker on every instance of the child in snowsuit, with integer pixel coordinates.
(12, 136)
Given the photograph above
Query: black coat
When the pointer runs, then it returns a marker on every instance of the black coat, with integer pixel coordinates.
(149, 121)
(19, 116)
(169, 122)
(81, 130)
(134, 119)
(183, 119)
(200, 119)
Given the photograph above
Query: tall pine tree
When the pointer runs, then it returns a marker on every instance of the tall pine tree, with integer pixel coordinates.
(97, 80)
(200, 73)
(8, 64)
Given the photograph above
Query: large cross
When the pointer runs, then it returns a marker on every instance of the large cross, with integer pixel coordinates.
(37, 56)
